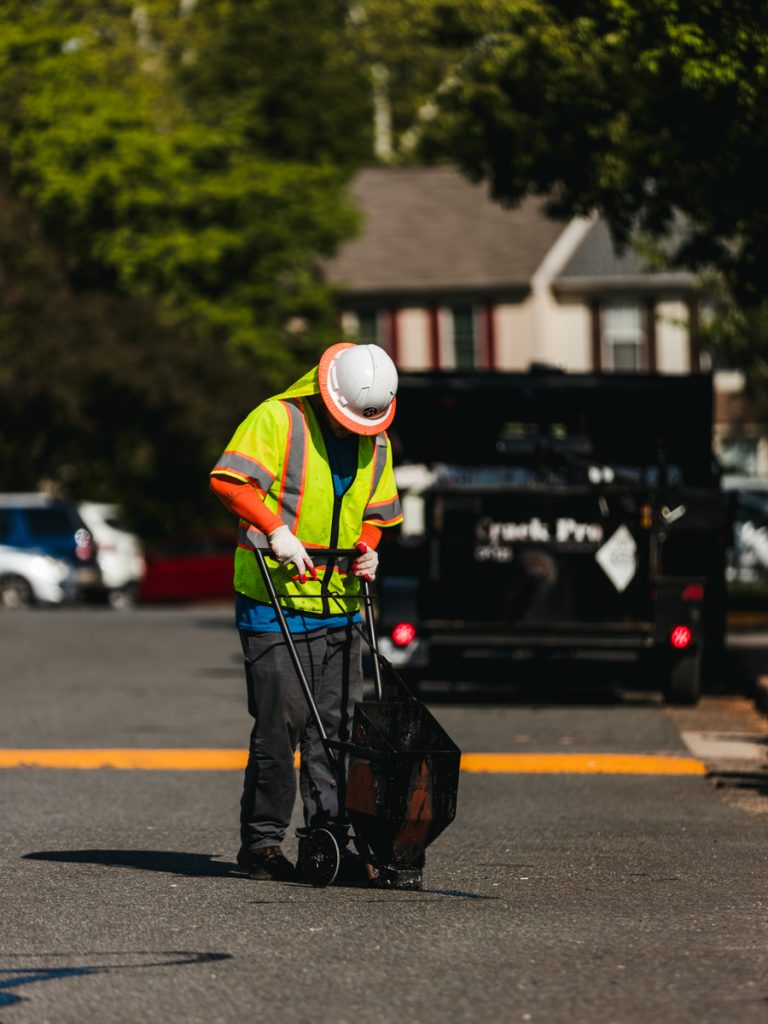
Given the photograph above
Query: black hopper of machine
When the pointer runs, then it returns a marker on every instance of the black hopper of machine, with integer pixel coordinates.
(401, 791)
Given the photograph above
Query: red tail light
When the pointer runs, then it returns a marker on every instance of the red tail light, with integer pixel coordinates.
(403, 634)
(85, 548)
(680, 637)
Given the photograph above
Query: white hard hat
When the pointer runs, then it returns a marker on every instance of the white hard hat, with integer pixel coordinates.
(358, 384)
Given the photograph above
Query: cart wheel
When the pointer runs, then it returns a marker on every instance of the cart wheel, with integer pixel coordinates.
(320, 857)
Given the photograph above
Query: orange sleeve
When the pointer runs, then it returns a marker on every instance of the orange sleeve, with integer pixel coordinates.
(242, 499)
(370, 535)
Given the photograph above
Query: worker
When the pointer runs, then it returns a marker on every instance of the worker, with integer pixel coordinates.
(309, 468)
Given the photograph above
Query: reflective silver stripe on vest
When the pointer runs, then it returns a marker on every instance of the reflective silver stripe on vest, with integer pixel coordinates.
(245, 466)
(386, 513)
(250, 537)
(379, 460)
(293, 481)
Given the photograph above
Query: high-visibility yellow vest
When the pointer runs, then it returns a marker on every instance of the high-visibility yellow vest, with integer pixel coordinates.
(279, 449)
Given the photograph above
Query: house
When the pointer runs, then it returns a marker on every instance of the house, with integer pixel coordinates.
(443, 277)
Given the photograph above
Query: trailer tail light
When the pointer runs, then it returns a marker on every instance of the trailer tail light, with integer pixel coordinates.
(693, 592)
(680, 637)
(403, 634)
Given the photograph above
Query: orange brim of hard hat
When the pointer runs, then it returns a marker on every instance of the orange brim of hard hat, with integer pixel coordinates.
(370, 427)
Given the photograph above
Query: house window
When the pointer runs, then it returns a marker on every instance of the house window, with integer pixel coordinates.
(624, 347)
(369, 327)
(465, 337)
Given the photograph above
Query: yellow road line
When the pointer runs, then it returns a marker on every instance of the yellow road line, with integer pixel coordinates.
(202, 759)
(583, 764)
(186, 759)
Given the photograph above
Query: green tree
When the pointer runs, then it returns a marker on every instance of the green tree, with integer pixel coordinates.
(738, 337)
(167, 194)
(282, 75)
(101, 398)
(408, 50)
(646, 110)
(157, 176)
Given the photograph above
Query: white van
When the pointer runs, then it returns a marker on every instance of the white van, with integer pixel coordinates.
(120, 554)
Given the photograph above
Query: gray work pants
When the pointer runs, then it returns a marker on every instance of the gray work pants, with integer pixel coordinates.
(331, 659)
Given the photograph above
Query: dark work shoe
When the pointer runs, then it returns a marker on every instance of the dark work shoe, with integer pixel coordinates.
(267, 864)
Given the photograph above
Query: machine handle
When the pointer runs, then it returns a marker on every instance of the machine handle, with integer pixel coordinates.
(334, 552)
(294, 656)
(367, 601)
(373, 642)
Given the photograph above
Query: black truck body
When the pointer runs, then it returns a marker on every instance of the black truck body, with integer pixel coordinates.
(554, 516)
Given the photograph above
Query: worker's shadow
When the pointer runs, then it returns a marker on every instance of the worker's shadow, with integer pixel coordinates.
(195, 865)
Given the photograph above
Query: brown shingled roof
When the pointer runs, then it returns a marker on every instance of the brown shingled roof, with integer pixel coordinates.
(430, 229)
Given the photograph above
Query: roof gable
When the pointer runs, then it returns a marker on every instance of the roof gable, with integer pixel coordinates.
(595, 264)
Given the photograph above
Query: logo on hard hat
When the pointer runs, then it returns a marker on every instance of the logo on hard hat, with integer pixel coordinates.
(370, 411)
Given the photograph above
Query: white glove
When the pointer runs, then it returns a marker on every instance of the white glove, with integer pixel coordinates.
(287, 549)
(367, 564)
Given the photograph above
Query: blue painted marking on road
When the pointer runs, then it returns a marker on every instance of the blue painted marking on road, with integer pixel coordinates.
(14, 977)
(27, 976)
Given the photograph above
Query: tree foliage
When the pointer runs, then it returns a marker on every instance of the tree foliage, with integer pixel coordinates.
(100, 398)
(738, 337)
(158, 172)
(645, 110)
(171, 176)
(283, 75)
(408, 50)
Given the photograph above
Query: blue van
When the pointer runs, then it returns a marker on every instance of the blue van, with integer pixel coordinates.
(41, 525)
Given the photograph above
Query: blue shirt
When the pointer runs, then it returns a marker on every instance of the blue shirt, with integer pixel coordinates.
(257, 617)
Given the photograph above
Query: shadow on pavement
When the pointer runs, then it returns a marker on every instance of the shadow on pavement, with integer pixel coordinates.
(39, 967)
(195, 865)
(755, 781)
(199, 865)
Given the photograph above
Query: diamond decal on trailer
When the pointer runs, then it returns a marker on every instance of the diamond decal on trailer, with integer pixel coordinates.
(618, 558)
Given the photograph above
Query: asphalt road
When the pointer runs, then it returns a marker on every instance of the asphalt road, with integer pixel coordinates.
(553, 897)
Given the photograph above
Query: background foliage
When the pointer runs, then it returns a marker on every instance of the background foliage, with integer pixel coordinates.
(173, 174)
(650, 111)
(171, 188)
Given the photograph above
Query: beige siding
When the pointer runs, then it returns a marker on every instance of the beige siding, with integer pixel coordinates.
(672, 348)
(568, 342)
(349, 324)
(515, 336)
(413, 339)
(445, 339)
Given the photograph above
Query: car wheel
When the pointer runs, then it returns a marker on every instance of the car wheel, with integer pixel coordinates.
(123, 597)
(15, 592)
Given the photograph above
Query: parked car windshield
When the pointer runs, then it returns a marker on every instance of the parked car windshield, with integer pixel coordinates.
(45, 522)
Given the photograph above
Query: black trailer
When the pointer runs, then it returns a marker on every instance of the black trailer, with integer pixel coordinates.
(552, 516)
